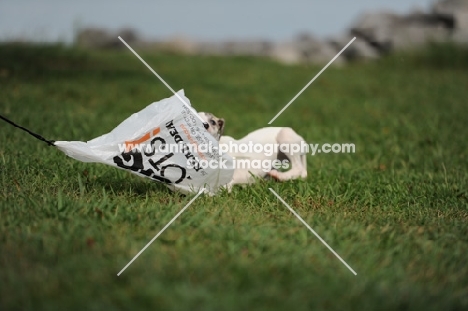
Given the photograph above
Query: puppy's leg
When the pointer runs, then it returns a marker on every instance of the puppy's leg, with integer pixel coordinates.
(288, 137)
(228, 187)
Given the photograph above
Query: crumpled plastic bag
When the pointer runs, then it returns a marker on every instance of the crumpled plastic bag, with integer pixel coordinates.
(159, 143)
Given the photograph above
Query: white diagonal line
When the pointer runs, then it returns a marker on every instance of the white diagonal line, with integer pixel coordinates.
(160, 78)
(312, 230)
(159, 233)
(307, 85)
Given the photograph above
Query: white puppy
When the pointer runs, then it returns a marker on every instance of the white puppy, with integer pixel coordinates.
(277, 144)
(273, 141)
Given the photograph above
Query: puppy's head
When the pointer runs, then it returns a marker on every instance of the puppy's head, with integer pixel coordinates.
(215, 124)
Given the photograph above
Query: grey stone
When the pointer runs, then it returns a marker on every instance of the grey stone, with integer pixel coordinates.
(414, 36)
(460, 37)
(286, 53)
(178, 44)
(461, 20)
(358, 50)
(449, 7)
(210, 48)
(93, 38)
(251, 48)
(236, 48)
(100, 38)
(418, 29)
(315, 51)
(387, 31)
(376, 28)
(128, 34)
(454, 12)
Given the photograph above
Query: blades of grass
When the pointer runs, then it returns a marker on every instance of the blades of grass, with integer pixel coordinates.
(59, 200)
(81, 186)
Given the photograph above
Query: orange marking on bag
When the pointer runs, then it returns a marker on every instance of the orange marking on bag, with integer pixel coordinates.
(131, 144)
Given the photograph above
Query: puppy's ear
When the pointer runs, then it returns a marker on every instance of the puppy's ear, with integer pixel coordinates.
(221, 126)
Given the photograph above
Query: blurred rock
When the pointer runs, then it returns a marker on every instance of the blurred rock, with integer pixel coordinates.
(249, 48)
(415, 36)
(418, 29)
(358, 50)
(305, 49)
(210, 48)
(456, 13)
(314, 51)
(286, 53)
(386, 31)
(100, 38)
(128, 34)
(376, 28)
(377, 33)
(179, 44)
(461, 20)
(449, 7)
(236, 48)
(460, 37)
(93, 38)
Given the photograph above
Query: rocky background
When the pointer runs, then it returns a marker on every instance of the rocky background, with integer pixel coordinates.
(377, 34)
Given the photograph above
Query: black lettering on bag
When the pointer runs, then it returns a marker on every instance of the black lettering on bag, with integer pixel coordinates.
(150, 173)
(123, 161)
(127, 157)
(182, 170)
(160, 161)
(153, 148)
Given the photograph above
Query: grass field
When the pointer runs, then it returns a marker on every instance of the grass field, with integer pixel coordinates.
(396, 210)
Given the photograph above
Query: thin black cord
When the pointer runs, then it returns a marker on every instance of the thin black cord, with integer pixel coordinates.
(49, 142)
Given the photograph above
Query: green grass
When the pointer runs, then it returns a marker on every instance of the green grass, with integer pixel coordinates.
(396, 210)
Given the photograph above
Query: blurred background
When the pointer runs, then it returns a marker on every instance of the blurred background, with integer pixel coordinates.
(288, 31)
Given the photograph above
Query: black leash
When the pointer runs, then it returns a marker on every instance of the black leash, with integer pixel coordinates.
(49, 142)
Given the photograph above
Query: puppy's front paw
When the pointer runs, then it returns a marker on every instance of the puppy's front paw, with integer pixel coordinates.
(274, 174)
(228, 187)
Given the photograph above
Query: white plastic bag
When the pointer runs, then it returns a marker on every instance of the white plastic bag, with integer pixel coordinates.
(158, 142)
